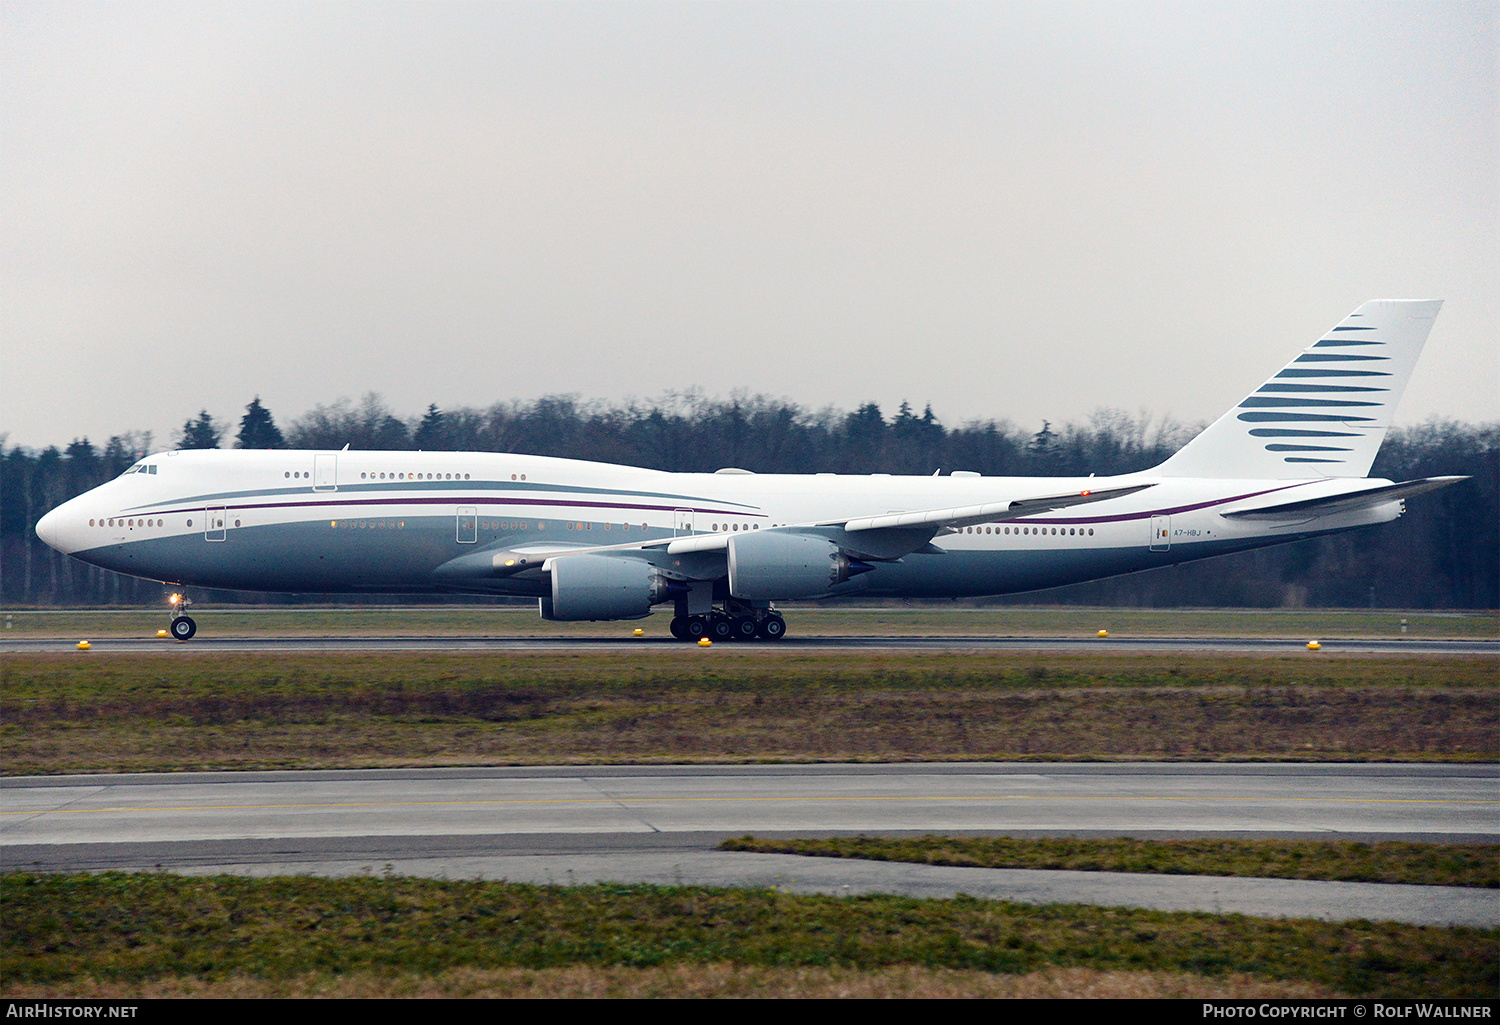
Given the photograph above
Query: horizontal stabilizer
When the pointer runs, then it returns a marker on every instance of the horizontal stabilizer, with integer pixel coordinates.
(1347, 501)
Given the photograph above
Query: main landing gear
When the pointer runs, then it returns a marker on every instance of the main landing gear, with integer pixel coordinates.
(719, 625)
(182, 626)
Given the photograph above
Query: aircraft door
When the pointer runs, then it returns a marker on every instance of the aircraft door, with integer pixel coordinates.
(214, 521)
(325, 472)
(682, 522)
(1161, 533)
(468, 525)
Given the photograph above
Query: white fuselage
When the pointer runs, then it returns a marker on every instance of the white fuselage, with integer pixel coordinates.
(364, 521)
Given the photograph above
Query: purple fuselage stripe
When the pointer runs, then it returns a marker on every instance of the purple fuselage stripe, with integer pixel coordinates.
(1170, 511)
(350, 502)
(555, 504)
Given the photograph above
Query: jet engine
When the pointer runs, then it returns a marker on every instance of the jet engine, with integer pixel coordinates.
(601, 587)
(773, 565)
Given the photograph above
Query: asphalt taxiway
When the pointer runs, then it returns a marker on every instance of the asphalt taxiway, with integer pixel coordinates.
(661, 825)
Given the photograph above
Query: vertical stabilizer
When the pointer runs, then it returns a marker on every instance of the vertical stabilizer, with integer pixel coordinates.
(1326, 412)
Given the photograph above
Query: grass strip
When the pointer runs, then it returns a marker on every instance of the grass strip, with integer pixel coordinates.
(1423, 864)
(133, 928)
(180, 710)
(697, 981)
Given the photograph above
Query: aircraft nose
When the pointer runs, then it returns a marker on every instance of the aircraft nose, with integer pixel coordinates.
(50, 529)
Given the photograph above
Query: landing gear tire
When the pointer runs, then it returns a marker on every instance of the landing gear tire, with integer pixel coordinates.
(772, 628)
(183, 628)
(743, 628)
(694, 628)
(678, 623)
(720, 628)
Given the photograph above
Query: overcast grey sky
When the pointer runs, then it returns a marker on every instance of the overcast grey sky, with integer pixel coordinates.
(1008, 210)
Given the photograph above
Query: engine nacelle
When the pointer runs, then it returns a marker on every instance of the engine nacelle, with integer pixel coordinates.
(773, 565)
(601, 587)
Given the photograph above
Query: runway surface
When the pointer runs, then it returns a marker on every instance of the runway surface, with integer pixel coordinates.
(660, 825)
(1240, 645)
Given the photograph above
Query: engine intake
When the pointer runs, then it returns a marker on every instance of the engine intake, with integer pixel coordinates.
(772, 565)
(602, 587)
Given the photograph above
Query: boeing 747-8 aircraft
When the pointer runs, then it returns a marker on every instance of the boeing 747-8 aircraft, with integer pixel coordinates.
(594, 541)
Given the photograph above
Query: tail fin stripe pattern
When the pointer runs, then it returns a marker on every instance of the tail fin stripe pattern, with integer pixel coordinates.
(1291, 372)
(1325, 393)
(1287, 432)
(1285, 401)
(1315, 387)
(1271, 418)
(1306, 448)
(1334, 357)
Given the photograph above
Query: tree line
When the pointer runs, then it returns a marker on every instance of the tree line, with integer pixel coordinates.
(1444, 553)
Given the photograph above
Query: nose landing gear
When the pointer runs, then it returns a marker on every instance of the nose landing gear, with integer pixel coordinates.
(182, 626)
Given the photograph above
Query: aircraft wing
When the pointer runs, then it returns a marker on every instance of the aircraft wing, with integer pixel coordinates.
(969, 515)
(895, 534)
(1346, 501)
(878, 537)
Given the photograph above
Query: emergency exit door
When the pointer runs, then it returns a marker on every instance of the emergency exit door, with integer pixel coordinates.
(1161, 533)
(468, 525)
(325, 472)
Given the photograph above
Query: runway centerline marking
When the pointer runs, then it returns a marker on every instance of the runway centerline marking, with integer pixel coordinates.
(743, 800)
